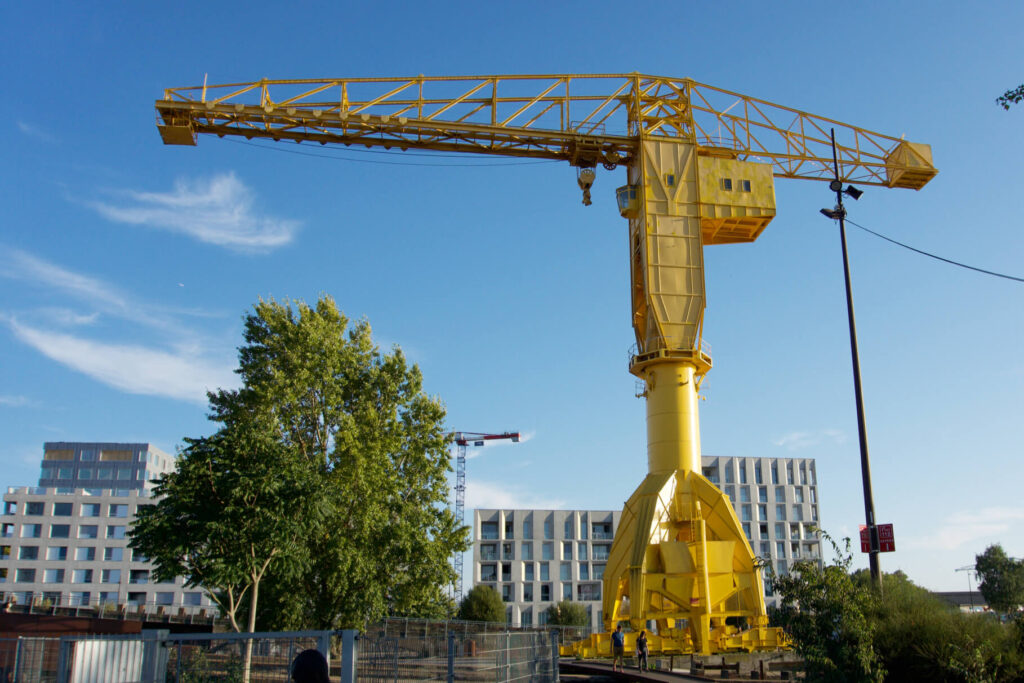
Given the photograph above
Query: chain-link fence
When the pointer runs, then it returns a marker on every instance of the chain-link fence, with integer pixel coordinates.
(32, 660)
(505, 656)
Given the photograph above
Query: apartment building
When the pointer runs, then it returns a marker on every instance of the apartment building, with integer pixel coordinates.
(536, 558)
(66, 541)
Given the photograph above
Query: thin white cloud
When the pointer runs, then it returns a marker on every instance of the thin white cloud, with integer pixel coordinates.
(799, 440)
(68, 318)
(134, 369)
(218, 210)
(15, 401)
(35, 132)
(482, 494)
(962, 528)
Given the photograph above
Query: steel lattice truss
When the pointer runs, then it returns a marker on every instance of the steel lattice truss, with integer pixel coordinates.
(582, 119)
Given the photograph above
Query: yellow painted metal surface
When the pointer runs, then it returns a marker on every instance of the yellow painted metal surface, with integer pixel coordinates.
(701, 163)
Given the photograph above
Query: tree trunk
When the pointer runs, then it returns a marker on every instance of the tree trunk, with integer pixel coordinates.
(247, 660)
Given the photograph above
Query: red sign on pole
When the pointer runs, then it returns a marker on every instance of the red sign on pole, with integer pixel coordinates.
(886, 539)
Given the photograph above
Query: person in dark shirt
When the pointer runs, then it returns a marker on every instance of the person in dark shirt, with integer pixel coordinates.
(641, 651)
(618, 647)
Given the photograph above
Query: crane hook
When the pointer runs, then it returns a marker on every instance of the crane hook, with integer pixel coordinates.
(585, 179)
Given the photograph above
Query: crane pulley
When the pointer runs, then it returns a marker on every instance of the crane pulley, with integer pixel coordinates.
(700, 167)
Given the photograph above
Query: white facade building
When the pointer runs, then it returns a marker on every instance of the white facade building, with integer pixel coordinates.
(536, 558)
(67, 543)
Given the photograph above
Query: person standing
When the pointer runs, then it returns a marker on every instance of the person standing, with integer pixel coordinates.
(641, 651)
(618, 648)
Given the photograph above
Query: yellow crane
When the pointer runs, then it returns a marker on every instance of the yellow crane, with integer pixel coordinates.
(700, 164)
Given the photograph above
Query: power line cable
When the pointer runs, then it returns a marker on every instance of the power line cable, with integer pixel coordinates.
(388, 163)
(938, 258)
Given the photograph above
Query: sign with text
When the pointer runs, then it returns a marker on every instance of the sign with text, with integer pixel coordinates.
(886, 539)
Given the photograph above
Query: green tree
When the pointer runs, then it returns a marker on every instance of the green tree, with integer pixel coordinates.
(1011, 97)
(828, 615)
(1000, 579)
(482, 603)
(567, 613)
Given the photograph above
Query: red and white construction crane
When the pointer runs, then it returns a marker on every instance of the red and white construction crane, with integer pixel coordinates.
(462, 440)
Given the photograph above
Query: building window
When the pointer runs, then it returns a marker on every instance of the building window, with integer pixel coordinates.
(780, 549)
(789, 473)
(762, 494)
(727, 184)
(588, 591)
(775, 473)
(747, 531)
(10, 508)
(62, 509)
(88, 531)
(488, 572)
(780, 511)
(31, 530)
(583, 526)
(763, 528)
(117, 510)
(728, 472)
(527, 550)
(744, 186)
(28, 552)
(762, 513)
(84, 474)
(744, 494)
(489, 531)
(743, 470)
(545, 592)
(547, 551)
(798, 512)
(506, 571)
(567, 591)
(581, 551)
(80, 598)
(528, 528)
(565, 571)
(758, 477)
(803, 474)
(766, 549)
(192, 599)
(507, 592)
(124, 475)
(25, 576)
(137, 556)
(567, 550)
(780, 494)
(113, 554)
(814, 495)
(598, 572)
(794, 531)
(104, 473)
(745, 513)
(568, 527)
(549, 528)
(65, 473)
(52, 575)
(510, 528)
(7, 531)
(528, 571)
(711, 474)
(57, 552)
(780, 530)
(81, 576)
(110, 576)
(5, 552)
(165, 599)
(116, 531)
(142, 575)
(731, 492)
(507, 551)
(526, 617)
(794, 549)
(527, 592)
(545, 572)
(60, 531)
(584, 572)
(136, 599)
(90, 509)
(600, 551)
(601, 531)
(798, 494)
(488, 552)
(814, 513)
(85, 554)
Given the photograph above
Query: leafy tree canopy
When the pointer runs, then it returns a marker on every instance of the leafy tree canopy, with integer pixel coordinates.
(828, 614)
(1011, 97)
(482, 603)
(567, 613)
(1000, 579)
(361, 453)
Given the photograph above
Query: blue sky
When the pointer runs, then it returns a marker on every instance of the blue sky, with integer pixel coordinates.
(126, 266)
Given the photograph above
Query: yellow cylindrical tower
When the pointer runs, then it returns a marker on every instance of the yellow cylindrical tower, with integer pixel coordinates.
(673, 423)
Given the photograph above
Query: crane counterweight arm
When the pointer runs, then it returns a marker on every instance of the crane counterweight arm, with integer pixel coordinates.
(582, 119)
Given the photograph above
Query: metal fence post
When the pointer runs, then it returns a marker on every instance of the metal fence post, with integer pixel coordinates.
(451, 658)
(508, 656)
(323, 643)
(154, 655)
(17, 660)
(554, 656)
(348, 656)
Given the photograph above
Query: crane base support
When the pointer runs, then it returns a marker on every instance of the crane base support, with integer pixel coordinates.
(681, 566)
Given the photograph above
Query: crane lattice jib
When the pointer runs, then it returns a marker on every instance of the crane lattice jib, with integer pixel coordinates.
(582, 119)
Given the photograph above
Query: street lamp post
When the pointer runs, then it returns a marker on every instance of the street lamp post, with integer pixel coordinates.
(839, 213)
